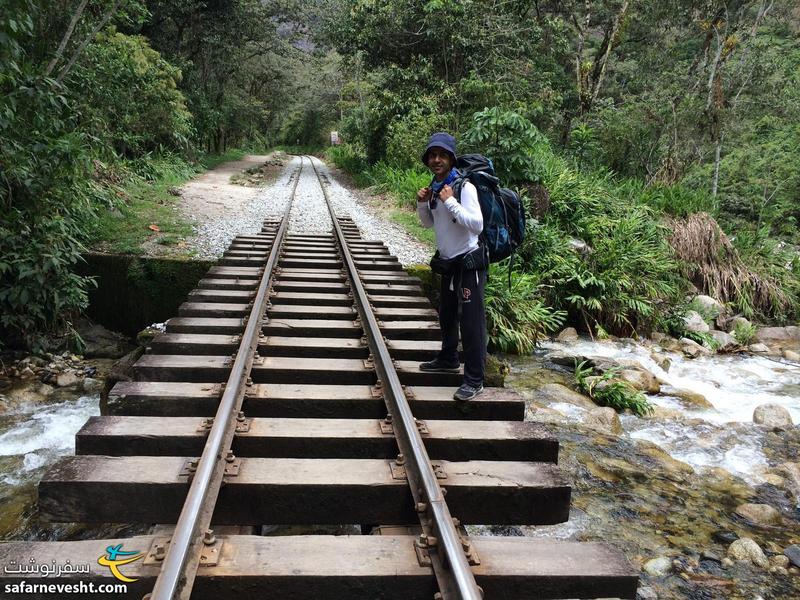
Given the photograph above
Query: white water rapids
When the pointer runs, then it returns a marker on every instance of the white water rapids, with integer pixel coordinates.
(723, 436)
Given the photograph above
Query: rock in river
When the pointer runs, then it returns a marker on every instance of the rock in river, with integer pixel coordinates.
(759, 514)
(692, 349)
(658, 567)
(793, 554)
(604, 418)
(758, 348)
(746, 549)
(555, 392)
(568, 335)
(641, 379)
(727, 343)
(67, 379)
(772, 415)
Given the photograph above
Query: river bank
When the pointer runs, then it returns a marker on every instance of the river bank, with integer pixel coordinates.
(698, 496)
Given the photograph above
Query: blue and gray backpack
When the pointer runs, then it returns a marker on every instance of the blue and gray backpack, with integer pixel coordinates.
(503, 213)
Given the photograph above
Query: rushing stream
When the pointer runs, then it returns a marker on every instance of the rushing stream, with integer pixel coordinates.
(668, 486)
(34, 432)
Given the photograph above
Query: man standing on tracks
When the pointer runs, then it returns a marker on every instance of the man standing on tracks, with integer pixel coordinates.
(460, 260)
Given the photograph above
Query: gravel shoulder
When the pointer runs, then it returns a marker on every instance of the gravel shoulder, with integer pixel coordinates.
(222, 210)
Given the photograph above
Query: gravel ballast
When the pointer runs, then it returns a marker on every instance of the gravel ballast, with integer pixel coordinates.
(309, 215)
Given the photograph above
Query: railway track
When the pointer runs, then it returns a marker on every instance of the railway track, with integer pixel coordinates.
(285, 399)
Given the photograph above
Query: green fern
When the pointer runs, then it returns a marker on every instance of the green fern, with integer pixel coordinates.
(607, 389)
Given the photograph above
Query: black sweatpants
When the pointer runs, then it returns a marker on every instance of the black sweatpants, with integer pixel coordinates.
(467, 285)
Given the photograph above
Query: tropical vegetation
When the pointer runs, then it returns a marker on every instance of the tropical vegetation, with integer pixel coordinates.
(654, 143)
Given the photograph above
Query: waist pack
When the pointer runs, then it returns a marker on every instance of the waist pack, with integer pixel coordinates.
(475, 260)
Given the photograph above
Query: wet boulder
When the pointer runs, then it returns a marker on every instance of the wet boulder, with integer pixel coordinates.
(566, 359)
(100, 342)
(605, 419)
(567, 335)
(693, 400)
(67, 379)
(763, 515)
(791, 355)
(663, 361)
(658, 567)
(793, 554)
(726, 342)
(641, 379)
(746, 549)
(692, 349)
(772, 415)
(630, 371)
(758, 348)
(695, 323)
(791, 471)
(555, 393)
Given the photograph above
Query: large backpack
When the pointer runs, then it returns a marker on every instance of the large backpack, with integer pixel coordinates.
(503, 213)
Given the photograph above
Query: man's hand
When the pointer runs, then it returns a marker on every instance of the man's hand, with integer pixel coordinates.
(447, 192)
(424, 194)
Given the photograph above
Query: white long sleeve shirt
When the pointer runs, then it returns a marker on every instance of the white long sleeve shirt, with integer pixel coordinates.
(457, 225)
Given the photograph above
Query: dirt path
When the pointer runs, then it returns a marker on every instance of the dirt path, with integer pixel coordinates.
(212, 195)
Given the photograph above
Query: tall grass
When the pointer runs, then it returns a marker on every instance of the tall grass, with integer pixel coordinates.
(399, 183)
(709, 260)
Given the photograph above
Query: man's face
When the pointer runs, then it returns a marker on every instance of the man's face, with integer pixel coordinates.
(440, 161)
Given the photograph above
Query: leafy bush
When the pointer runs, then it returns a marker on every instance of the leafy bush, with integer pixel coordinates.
(407, 137)
(744, 333)
(517, 318)
(401, 183)
(129, 95)
(607, 390)
(511, 141)
(349, 158)
(44, 201)
(604, 260)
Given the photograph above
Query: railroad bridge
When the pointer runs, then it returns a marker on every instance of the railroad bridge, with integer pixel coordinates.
(284, 399)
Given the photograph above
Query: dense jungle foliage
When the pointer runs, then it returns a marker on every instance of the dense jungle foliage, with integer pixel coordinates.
(97, 96)
(654, 142)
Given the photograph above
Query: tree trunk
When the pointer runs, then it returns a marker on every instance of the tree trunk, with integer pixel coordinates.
(604, 60)
(717, 154)
(102, 23)
(65, 40)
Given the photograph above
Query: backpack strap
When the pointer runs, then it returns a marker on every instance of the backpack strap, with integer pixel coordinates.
(457, 186)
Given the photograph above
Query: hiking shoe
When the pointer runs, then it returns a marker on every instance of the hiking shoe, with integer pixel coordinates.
(437, 366)
(467, 392)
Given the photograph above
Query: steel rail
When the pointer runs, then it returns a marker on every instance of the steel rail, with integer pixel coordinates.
(450, 564)
(179, 570)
